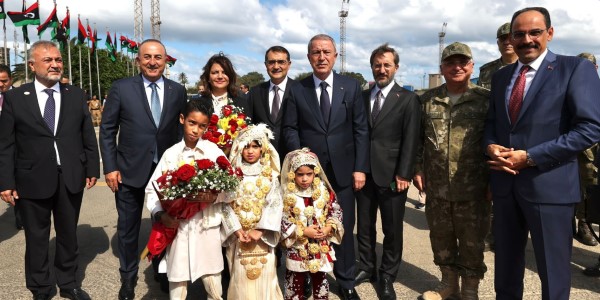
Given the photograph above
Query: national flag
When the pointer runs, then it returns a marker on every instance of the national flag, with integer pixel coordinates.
(132, 47)
(62, 32)
(95, 41)
(30, 16)
(171, 60)
(110, 47)
(81, 34)
(51, 21)
(90, 34)
(124, 42)
(2, 13)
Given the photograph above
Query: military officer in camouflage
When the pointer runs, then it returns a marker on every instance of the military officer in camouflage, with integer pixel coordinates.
(451, 169)
(508, 56)
(587, 176)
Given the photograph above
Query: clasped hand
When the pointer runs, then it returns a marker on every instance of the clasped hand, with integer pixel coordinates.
(315, 232)
(506, 159)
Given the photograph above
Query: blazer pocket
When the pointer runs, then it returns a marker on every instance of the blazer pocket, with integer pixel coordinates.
(24, 164)
(393, 152)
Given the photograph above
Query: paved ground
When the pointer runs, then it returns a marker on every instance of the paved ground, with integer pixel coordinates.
(99, 263)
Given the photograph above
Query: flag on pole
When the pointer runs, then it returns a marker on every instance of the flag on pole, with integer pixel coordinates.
(171, 60)
(132, 47)
(62, 32)
(51, 21)
(95, 41)
(124, 42)
(81, 34)
(30, 16)
(110, 47)
(2, 13)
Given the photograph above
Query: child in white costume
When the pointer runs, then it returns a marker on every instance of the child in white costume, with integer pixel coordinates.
(312, 220)
(251, 223)
(196, 250)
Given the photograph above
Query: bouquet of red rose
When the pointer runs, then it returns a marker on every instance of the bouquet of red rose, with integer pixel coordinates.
(225, 126)
(180, 191)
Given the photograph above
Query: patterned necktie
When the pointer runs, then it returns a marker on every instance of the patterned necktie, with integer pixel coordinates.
(155, 104)
(50, 109)
(276, 103)
(376, 106)
(516, 96)
(325, 103)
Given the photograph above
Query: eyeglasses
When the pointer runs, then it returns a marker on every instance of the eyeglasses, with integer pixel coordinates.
(458, 62)
(279, 61)
(382, 66)
(533, 34)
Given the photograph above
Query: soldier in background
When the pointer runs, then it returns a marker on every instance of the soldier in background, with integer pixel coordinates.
(95, 107)
(452, 170)
(587, 176)
(508, 56)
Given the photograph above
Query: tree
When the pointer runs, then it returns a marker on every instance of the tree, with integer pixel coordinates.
(302, 75)
(357, 76)
(252, 78)
(182, 77)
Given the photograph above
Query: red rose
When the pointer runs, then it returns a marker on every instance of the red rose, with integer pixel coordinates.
(162, 180)
(204, 164)
(233, 126)
(242, 116)
(214, 119)
(230, 171)
(223, 162)
(239, 173)
(212, 127)
(207, 135)
(185, 173)
(227, 109)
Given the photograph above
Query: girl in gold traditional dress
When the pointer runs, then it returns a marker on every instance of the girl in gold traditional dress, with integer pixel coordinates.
(312, 220)
(251, 223)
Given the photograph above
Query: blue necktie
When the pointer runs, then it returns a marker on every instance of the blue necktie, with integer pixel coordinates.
(155, 104)
(325, 103)
(50, 109)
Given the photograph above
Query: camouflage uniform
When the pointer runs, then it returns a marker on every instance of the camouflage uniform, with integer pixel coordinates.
(486, 71)
(588, 175)
(456, 177)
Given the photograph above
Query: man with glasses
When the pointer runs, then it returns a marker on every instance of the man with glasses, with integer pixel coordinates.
(543, 113)
(508, 56)
(325, 112)
(452, 171)
(266, 100)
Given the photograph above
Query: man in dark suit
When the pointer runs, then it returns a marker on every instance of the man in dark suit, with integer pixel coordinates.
(144, 111)
(325, 113)
(48, 155)
(543, 112)
(266, 100)
(394, 126)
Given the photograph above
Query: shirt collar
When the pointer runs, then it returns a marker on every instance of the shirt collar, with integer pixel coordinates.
(160, 82)
(536, 63)
(385, 90)
(281, 86)
(329, 80)
(40, 87)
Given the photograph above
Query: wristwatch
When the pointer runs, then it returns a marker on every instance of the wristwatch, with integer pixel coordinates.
(529, 161)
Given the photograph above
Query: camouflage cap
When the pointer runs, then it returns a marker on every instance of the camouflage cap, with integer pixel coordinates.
(503, 30)
(456, 48)
(588, 56)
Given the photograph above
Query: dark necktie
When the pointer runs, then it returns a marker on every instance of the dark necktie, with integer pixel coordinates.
(155, 104)
(376, 106)
(1, 99)
(50, 109)
(276, 103)
(516, 96)
(325, 103)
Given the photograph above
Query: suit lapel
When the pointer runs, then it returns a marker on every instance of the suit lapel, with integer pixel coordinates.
(264, 99)
(391, 99)
(141, 90)
(30, 98)
(337, 98)
(367, 101)
(311, 100)
(166, 101)
(504, 84)
(64, 94)
(546, 68)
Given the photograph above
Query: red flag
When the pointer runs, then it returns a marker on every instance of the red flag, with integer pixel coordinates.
(81, 34)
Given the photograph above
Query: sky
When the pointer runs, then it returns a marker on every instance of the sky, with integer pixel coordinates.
(194, 30)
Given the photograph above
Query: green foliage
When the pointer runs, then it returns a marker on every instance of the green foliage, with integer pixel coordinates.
(183, 79)
(357, 76)
(302, 75)
(251, 79)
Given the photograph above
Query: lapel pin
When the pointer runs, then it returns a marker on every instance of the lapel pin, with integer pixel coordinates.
(26, 93)
(550, 68)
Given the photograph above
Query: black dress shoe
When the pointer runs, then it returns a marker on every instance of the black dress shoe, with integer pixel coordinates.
(364, 276)
(346, 294)
(127, 291)
(41, 296)
(593, 271)
(75, 294)
(386, 288)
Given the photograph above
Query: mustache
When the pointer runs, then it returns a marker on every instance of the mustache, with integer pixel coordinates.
(528, 46)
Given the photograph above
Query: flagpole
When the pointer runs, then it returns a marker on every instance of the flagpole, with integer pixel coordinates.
(69, 46)
(25, 31)
(97, 67)
(5, 51)
(16, 46)
(87, 23)
(80, 68)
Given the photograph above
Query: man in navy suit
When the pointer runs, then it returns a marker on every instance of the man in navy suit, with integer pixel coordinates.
(266, 100)
(325, 112)
(48, 155)
(543, 112)
(144, 111)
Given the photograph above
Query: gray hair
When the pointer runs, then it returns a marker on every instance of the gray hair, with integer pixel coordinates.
(320, 37)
